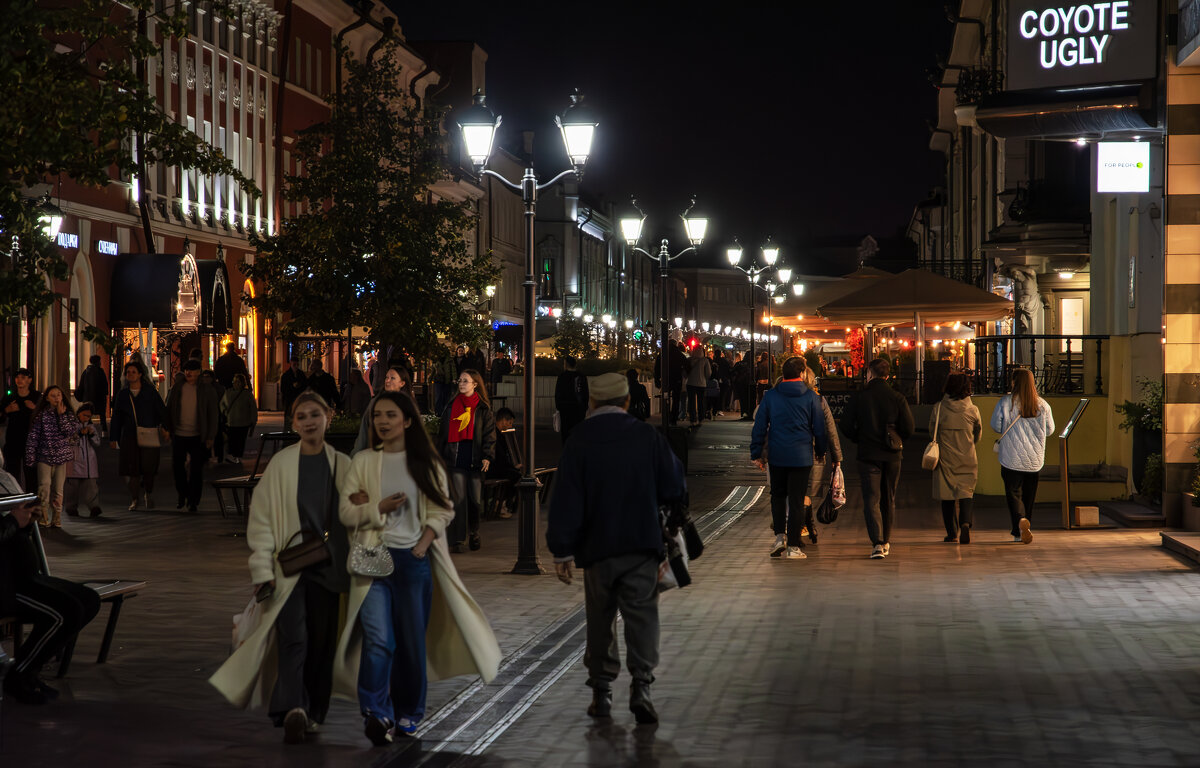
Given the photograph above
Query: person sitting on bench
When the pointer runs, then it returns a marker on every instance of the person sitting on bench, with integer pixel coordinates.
(55, 609)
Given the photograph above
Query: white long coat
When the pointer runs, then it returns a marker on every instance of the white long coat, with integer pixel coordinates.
(248, 675)
(459, 640)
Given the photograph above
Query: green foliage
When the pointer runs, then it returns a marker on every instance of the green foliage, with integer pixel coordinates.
(72, 103)
(1147, 412)
(344, 422)
(375, 249)
(432, 424)
(574, 338)
(1152, 480)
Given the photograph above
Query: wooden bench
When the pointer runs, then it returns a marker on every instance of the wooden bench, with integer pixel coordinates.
(115, 593)
(241, 488)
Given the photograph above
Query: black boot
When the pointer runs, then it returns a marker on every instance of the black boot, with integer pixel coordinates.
(601, 705)
(640, 704)
(24, 688)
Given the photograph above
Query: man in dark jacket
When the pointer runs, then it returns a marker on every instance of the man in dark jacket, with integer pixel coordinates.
(878, 419)
(93, 388)
(291, 384)
(191, 420)
(604, 517)
(570, 397)
(229, 365)
(501, 367)
(743, 386)
(53, 609)
(324, 385)
(791, 425)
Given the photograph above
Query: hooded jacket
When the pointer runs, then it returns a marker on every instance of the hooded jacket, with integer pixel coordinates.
(613, 474)
(791, 422)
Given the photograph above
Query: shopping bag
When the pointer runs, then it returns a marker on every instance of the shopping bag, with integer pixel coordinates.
(837, 489)
(246, 622)
(673, 570)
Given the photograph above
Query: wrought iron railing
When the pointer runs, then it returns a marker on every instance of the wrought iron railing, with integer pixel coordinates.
(1061, 364)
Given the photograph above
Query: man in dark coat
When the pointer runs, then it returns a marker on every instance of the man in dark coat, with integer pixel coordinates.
(743, 386)
(570, 397)
(229, 365)
(501, 367)
(291, 384)
(54, 610)
(93, 388)
(324, 385)
(611, 478)
(877, 418)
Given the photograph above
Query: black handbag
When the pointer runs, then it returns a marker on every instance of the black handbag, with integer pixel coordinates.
(827, 513)
(313, 549)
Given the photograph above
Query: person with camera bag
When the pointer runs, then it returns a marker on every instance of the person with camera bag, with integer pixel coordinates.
(294, 510)
(614, 473)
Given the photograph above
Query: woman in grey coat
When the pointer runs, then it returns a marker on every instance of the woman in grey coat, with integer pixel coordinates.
(822, 472)
(958, 427)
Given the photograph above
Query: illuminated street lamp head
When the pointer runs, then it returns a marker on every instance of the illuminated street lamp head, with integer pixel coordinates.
(785, 274)
(770, 286)
(631, 229)
(704, 327)
(779, 299)
(490, 291)
(578, 126)
(696, 227)
(679, 322)
(734, 253)
(478, 126)
(770, 252)
(588, 318)
(50, 216)
(577, 312)
(606, 318)
(797, 289)
(628, 325)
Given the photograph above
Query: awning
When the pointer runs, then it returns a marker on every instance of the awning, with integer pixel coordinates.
(1070, 113)
(937, 299)
(171, 291)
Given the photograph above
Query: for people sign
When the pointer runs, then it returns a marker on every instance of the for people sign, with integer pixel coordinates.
(1057, 44)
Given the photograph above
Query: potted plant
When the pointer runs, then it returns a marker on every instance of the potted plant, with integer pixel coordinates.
(1144, 418)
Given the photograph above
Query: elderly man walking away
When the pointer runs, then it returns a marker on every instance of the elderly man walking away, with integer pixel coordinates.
(613, 474)
(790, 424)
(878, 420)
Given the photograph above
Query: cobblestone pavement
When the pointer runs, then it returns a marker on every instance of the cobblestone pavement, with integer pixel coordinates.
(1078, 649)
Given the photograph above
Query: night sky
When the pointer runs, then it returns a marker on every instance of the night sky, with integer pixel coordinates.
(804, 121)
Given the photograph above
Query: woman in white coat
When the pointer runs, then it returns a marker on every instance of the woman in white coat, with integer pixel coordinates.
(1024, 422)
(419, 622)
(288, 661)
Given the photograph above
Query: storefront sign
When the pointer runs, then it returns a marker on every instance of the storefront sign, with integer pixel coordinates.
(68, 241)
(1055, 44)
(107, 247)
(1123, 166)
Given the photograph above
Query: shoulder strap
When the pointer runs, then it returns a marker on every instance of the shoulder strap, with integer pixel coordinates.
(937, 420)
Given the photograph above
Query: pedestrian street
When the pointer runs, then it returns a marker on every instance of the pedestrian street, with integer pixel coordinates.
(1078, 649)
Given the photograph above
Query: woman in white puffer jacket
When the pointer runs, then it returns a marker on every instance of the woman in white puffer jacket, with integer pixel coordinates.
(1024, 422)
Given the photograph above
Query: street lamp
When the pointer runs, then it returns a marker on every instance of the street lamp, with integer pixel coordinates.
(770, 253)
(696, 227)
(478, 125)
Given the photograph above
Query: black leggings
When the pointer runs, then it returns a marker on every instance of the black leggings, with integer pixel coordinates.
(56, 609)
(1020, 491)
(962, 518)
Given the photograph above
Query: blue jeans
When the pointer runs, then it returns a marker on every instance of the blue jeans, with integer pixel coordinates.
(391, 675)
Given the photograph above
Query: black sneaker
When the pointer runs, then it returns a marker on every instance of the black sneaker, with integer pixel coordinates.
(964, 534)
(295, 726)
(96, 511)
(474, 542)
(379, 731)
(25, 689)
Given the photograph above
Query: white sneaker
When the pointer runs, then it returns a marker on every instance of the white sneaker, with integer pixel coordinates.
(1026, 534)
(149, 501)
(779, 546)
(133, 505)
(887, 549)
(877, 552)
(1017, 539)
(795, 553)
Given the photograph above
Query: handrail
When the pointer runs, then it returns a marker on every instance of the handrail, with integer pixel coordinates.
(1051, 336)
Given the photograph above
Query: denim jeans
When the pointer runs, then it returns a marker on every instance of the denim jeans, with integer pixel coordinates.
(788, 486)
(393, 618)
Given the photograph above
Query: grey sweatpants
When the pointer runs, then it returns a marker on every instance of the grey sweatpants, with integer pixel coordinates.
(628, 583)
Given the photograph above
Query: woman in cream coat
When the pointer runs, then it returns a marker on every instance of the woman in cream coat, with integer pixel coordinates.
(288, 660)
(419, 623)
(957, 424)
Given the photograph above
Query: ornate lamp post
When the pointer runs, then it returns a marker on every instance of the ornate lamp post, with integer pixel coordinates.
(770, 253)
(696, 227)
(479, 126)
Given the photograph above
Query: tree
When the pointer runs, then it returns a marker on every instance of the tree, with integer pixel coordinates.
(574, 338)
(375, 248)
(77, 105)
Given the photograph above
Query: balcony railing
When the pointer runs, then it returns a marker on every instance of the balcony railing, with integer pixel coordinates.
(1061, 364)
